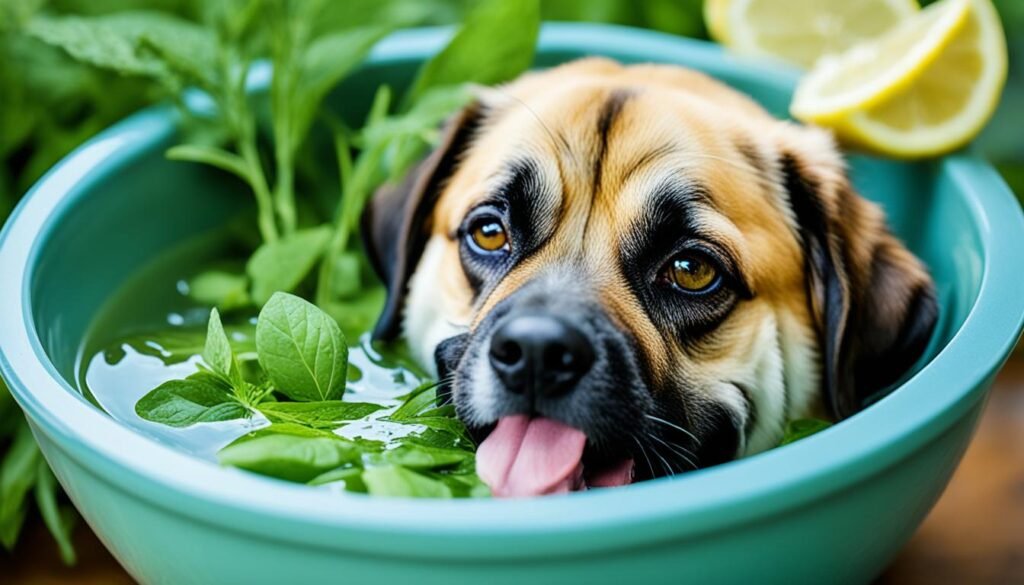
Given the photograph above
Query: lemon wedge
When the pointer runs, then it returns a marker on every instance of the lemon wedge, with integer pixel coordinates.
(872, 71)
(801, 31)
(949, 100)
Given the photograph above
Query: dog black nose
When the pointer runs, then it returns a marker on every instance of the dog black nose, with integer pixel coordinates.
(541, 354)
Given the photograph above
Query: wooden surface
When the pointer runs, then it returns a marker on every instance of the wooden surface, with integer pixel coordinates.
(975, 535)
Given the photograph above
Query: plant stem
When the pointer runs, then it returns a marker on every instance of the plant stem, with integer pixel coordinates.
(258, 181)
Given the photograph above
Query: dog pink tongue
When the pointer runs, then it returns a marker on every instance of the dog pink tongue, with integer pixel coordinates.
(526, 456)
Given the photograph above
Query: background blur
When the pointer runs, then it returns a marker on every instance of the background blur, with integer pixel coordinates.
(49, 104)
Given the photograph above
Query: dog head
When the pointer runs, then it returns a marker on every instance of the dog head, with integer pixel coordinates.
(636, 271)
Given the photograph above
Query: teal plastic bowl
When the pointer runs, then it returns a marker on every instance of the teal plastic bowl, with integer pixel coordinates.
(832, 508)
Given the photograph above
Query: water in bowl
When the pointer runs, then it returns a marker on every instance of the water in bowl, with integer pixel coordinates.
(151, 331)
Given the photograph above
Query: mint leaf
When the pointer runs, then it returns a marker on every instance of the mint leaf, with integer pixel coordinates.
(350, 477)
(202, 397)
(392, 481)
(319, 415)
(217, 352)
(496, 43)
(301, 349)
(281, 265)
(290, 452)
(801, 428)
(418, 402)
(415, 456)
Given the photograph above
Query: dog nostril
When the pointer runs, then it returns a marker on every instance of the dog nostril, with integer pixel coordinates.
(540, 353)
(559, 358)
(507, 352)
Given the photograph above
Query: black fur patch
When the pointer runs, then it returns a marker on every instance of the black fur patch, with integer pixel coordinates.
(605, 122)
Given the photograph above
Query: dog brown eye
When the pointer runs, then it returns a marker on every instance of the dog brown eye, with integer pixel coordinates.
(692, 273)
(489, 235)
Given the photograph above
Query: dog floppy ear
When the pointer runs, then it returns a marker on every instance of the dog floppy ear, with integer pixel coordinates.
(397, 221)
(873, 300)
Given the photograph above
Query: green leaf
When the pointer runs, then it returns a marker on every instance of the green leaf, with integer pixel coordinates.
(330, 414)
(225, 290)
(202, 397)
(449, 425)
(801, 428)
(423, 119)
(417, 402)
(289, 452)
(495, 44)
(392, 481)
(18, 474)
(217, 352)
(347, 282)
(187, 49)
(463, 485)
(325, 63)
(301, 349)
(350, 477)
(210, 155)
(281, 265)
(59, 520)
(114, 41)
(415, 456)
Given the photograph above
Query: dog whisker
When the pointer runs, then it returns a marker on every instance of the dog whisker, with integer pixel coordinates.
(643, 452)
(669, 471)
(674, 426)
(678, 450)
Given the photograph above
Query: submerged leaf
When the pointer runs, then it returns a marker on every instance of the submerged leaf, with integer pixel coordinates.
(302, 349)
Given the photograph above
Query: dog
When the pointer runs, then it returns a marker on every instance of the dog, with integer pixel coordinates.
(626, 272)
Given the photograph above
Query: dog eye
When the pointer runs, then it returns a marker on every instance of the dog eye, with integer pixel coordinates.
(488, 235)
(692, 272)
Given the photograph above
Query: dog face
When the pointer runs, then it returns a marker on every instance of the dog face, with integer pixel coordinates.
(636, 271)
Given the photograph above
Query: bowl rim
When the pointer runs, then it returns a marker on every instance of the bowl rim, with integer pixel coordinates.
(711, 499)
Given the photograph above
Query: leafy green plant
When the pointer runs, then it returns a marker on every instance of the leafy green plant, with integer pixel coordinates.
(295, 382)
(295, 373)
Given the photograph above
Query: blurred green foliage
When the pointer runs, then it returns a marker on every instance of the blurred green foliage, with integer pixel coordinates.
(49, 104)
